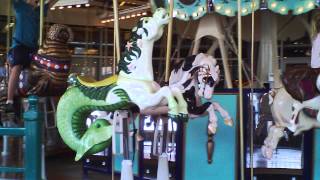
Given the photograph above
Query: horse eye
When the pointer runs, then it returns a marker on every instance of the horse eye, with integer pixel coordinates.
(146, 21)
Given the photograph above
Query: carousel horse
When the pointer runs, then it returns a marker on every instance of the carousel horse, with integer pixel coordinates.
(134, 86)
(294, 106)
(196, 78)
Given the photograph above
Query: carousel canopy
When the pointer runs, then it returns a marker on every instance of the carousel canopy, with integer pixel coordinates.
(195, 9)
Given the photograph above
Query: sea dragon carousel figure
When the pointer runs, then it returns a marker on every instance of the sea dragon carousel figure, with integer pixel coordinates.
(133, 86)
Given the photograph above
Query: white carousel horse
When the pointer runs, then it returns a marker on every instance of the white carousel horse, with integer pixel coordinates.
(196, 77)
(289, 112)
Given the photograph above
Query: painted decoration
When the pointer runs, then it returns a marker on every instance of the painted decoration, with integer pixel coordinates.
(184, 9)
(50, 67)
(230, 7)
(297, 7)
(224, 164)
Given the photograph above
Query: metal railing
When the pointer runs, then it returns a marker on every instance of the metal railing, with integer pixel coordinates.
(32, 133)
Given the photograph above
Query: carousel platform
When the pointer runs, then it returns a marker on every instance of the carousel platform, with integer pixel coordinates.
(60, 166)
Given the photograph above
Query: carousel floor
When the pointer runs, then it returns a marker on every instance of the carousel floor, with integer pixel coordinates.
(58, 167)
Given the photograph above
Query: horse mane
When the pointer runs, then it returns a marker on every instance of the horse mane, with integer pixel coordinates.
(134, 52)
(186, 64)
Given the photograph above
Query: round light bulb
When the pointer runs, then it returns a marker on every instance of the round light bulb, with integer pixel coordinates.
(244, 10)
(218, 7)
(283, 9)
(300, 9)
(228, 11)
(310, 5)
(274, 4)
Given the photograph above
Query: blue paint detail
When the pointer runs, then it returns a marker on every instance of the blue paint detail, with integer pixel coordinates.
(224, 158)
(316, 168)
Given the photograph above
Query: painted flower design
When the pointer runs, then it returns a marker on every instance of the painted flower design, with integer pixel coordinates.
(129, 45)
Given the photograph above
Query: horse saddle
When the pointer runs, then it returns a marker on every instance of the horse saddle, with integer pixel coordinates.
(90, 82)
(301, 83)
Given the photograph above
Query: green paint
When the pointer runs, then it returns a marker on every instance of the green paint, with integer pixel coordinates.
(224, 158)
(33, 125)
(12, 131)
(32, 132)
(73, 108)
(97, 93)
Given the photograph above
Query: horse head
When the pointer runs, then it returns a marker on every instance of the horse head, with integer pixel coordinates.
(207, 74)
(138, 51)
(151, 28)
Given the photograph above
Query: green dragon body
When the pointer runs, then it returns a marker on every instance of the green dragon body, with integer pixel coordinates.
(78, 102)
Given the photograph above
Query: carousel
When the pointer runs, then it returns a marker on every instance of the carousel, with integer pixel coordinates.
(166, 90)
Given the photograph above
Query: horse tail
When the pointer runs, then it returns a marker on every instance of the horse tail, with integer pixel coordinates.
(72, 111)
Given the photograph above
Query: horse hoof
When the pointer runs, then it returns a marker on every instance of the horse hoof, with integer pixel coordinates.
(266, 152)
(139, 138)
(228, 122)
(212, 130)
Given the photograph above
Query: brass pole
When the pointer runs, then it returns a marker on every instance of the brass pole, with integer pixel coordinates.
(169, 42)
(240, 91)
(251, 87)
(8, 24)
(116, 28)
(116, 54)
(41, 22)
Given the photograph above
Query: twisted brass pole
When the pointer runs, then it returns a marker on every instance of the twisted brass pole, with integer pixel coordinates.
(240, 91)
(169, 41)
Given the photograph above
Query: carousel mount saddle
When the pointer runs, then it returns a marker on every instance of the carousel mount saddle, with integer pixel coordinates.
(301, 83)
(90, 82)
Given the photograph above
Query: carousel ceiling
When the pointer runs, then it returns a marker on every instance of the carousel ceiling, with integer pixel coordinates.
(195, 9)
